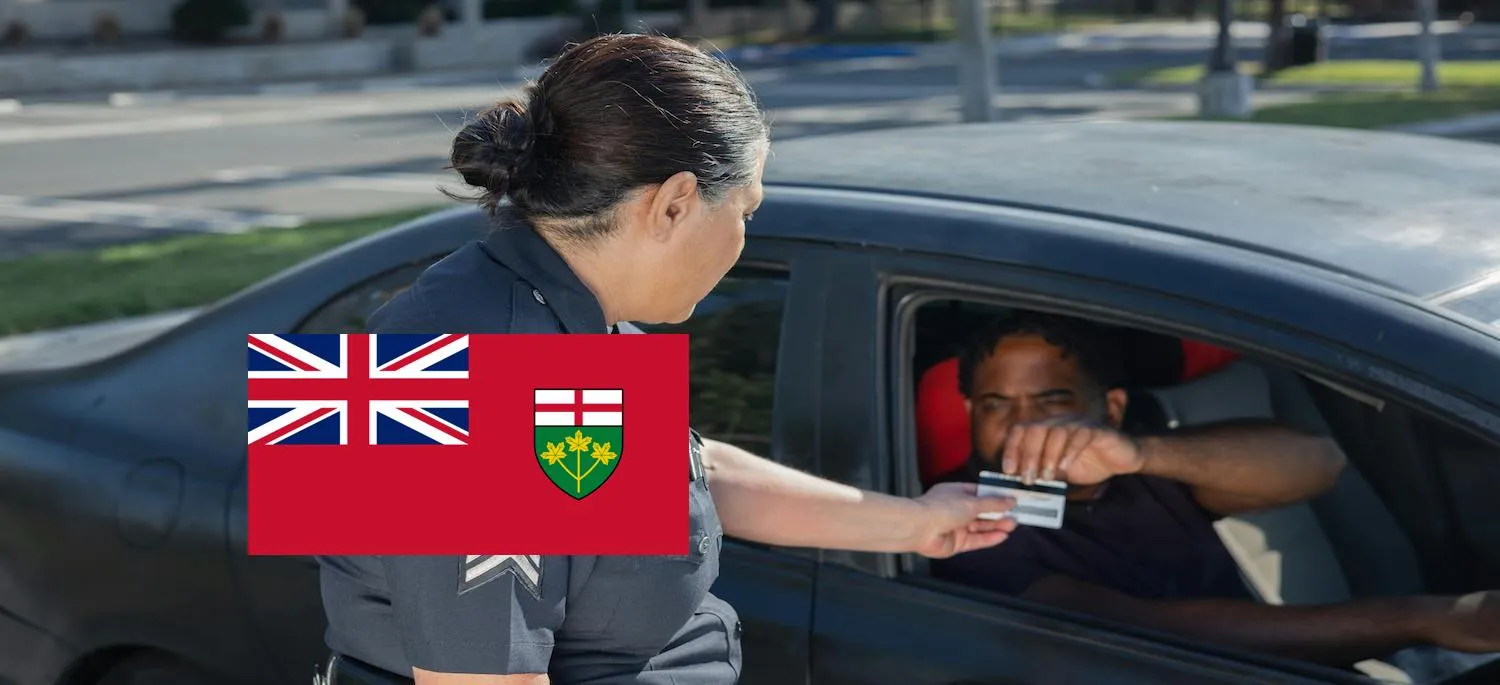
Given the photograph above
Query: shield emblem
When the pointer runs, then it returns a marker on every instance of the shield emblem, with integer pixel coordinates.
(579, 437)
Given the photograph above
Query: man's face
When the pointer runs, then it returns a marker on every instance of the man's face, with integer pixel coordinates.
(1027, 379)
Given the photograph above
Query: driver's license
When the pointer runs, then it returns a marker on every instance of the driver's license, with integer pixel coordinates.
(1040, 504)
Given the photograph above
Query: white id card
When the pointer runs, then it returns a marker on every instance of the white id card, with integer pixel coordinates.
(1039, 504)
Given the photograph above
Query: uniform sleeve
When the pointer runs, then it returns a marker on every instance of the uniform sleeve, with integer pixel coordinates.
(407, 312)
(488, 614)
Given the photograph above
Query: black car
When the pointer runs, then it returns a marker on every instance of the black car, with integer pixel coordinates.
(1358, 274)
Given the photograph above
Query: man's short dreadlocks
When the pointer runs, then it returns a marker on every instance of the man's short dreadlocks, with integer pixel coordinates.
(1096, 348)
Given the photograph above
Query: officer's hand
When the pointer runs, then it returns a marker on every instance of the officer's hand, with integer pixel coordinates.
(1078, 452)
(950, 520)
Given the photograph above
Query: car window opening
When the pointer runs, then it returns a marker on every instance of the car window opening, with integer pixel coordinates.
(1378, 531)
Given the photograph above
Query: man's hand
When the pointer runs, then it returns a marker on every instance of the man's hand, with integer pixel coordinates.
(1081, 453)
(950, 520)
(1470, 623)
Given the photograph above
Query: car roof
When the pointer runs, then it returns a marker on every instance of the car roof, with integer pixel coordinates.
(1417, 213)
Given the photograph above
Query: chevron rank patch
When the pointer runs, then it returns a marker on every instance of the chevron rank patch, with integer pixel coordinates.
(479, 569)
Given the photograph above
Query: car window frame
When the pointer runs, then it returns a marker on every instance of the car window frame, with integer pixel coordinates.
(319, 309)
(794, 412)
(783, 274)
(905, 282)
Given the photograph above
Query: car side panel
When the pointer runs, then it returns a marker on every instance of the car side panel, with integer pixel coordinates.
(113, 548)
(772, 592)
(872, 631)
(872, 627)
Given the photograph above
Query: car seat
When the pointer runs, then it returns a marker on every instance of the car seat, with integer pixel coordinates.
(1297, 554)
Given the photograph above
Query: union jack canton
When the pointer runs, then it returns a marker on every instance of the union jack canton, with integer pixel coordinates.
(402, 387)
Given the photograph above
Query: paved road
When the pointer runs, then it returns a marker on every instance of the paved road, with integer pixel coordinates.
(80, 174)
(86, 173)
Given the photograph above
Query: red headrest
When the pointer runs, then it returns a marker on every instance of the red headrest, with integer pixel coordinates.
(1200, 359)
(942, 422)
(943, 442)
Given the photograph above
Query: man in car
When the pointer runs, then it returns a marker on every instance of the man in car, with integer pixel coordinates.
(1137, 543)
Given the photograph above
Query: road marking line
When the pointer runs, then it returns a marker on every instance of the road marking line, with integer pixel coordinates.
(251, 174)
(291, 89)
(390, 183)
(385, 182)
(142, 216)
(144, 98)
(472, 99)
(388, 85)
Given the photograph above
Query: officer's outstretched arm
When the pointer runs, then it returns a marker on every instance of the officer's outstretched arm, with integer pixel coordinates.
(760, 500)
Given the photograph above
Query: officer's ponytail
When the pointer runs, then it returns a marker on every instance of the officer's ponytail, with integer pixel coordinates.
(609, 116)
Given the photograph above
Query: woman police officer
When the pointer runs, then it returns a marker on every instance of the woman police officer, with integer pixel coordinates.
(630, 167)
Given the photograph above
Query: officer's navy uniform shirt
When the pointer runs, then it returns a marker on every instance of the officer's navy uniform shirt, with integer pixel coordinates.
(1142, 535)
(604, 620)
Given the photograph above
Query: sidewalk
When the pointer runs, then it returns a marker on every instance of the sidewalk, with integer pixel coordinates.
(1136, 35)
(59, 347)
(372, 63)
(1485, 125)
(371, 84)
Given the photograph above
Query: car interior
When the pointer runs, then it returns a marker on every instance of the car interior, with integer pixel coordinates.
(1354, 541)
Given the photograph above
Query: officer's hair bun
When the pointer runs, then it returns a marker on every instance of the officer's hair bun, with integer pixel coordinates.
(608, 116)
(497, 151)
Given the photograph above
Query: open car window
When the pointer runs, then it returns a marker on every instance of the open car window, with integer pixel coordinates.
(1379, 532)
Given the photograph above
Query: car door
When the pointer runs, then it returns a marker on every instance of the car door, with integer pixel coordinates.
(281, 594)
(746, 389)
(877, 621)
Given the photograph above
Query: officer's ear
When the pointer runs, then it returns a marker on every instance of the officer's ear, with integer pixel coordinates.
(671, 204)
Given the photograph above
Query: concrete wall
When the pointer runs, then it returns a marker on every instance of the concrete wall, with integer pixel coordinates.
(74, 19)
(70, 19)
(506, 43)
(497, 43)
(298, 24)
(181, 68)
(500, 45)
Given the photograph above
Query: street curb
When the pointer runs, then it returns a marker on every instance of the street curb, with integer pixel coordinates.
(793, 54)
(372, 84)
(1457, 126)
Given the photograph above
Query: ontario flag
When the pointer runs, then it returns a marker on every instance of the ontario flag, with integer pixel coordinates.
(464, 444)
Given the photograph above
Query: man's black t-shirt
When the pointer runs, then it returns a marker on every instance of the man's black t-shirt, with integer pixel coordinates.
(1144, 536)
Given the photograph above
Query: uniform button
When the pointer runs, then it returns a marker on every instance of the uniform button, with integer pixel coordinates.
(739, 629)
(703, 545)
(538, 295)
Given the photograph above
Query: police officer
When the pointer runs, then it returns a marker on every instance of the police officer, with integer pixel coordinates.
(630, 167)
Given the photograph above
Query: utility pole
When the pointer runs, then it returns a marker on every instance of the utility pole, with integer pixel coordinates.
(1427, 44)
(976, 63)
(1224, 92)
(472, 12)
(338, 11)
(1223, 56)
(627, 17)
